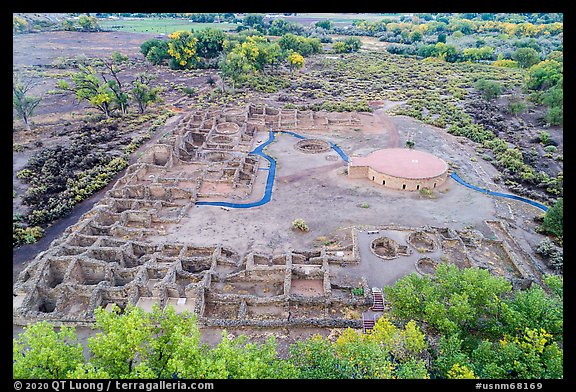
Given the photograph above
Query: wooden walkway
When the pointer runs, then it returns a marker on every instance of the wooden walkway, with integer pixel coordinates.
(370, 318)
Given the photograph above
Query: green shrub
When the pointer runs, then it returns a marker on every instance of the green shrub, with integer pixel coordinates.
(299, 224)
(116, 164)
(555, 115)
(544, 137)
(358, 291)
(551, 148)
(488, 88)
(516, 107)
(553, 222)
(190, 91)
(426, 192)
(24, 174)
(25, 235)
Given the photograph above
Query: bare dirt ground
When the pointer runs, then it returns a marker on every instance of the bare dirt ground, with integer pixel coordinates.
(43, 48)
(309, 186)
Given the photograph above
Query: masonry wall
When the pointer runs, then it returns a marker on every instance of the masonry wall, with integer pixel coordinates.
(396, 182)
(357, 171)
(405, 183)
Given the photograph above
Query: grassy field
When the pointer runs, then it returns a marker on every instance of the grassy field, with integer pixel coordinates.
(158, 25)
(338, 19)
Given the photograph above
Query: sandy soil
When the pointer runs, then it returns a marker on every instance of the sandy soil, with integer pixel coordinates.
(311, 187)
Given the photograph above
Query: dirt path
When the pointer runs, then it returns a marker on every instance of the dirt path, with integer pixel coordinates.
(388, 126)
(28, 252)
(309, 172)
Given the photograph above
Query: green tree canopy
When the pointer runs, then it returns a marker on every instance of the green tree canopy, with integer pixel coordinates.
(544, 75)
(526, 57)
(210, 42)
(324, 24)
(87, 86)
(253, 20)
(554, 219)
(387, 352)
(304, 46)
(488, 88)
(155, 50)
(88, 23)
(143, 93)
(453, 301)
(42, 352)
(22, 102)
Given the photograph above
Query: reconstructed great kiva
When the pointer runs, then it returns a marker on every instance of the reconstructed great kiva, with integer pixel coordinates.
(400, 168)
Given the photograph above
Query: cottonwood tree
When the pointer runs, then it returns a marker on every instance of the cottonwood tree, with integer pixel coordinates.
(544, 75)
(453, 302)
(234, 67)
(115, 85)
(183, 51)
(295, 61)
(387, 352)
(526, 57)
(23, 103)
(210, 42)
(88, 87)
(19, 25)
(136, 344)
(105, 92)
(41, 352)
(143, 93)
(88, 23)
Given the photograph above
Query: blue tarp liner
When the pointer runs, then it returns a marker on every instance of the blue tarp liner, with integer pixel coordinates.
(340, 152)
(294, 134)
(269, 182)
(271, 174)
(534, 203)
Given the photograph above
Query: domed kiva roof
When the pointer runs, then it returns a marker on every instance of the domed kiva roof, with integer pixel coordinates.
(403, 163)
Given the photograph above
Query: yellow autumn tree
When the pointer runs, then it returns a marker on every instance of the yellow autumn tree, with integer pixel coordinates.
(295, 61)
(182, 49)
(461, 372)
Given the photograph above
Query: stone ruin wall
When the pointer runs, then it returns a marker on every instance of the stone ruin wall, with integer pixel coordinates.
(408, 184)
(105, 258)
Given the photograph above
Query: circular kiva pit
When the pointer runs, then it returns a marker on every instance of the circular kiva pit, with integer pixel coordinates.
(227, 128)
(218, 156)
(400, 168)
(221, 139)
(426, 266)
(234, 111)
(421, 241)
(312, 146)
(387, 248)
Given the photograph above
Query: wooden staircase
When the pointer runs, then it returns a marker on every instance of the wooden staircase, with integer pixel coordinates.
(378, 300)
(367, 323)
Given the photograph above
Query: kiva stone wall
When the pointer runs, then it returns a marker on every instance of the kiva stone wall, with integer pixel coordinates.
(388, 181)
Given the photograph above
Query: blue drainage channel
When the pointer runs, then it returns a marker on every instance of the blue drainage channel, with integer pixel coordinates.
(271, 174)
(509, 196)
